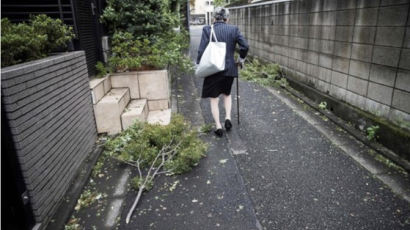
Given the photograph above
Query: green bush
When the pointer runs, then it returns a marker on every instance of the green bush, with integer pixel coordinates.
(155, 52)
(102, 70)
(371, 132)
(266, 74)
(142, 35)
(139, 17)
(33, 40)
(144, 141)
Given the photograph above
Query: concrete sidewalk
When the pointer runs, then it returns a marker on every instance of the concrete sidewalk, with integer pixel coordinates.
(303, 172)
(284, 167)
(211, 196)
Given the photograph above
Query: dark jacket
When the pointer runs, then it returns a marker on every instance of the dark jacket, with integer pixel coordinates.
(231, 35)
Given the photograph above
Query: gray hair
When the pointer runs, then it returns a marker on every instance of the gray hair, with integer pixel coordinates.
(221, 13)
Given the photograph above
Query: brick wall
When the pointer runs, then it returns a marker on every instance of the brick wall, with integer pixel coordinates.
(49, 110)
(356, 50)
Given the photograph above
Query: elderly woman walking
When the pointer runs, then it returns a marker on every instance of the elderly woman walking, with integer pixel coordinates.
(221, 82)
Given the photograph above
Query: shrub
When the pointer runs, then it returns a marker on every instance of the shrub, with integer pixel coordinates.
(323, 105)
(102, 70)
(138, 17)
(154, 52)
(33, 40)
(266, 74)
(143, 141)
(371, 132)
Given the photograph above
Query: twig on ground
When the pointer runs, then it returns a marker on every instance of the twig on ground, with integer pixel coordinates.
(166, 154)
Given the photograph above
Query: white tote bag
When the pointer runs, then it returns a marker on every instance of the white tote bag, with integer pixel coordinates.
(213, 58)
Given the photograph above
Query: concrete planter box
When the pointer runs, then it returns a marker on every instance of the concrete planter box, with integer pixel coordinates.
(151, 85)
(99, 87)
(127, 80)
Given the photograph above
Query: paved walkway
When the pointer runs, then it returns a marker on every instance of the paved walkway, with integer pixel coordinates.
(298, 178)
(283, 167)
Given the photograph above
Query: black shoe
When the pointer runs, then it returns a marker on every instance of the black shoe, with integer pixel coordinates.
(219, 132)
(228, 125)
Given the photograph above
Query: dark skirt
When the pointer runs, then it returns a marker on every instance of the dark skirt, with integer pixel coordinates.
(216, 85)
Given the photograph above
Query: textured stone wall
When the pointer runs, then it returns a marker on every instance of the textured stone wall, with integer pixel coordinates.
(49, 110)
(355, 50)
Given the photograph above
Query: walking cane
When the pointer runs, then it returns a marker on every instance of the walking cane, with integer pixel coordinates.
(237, 91)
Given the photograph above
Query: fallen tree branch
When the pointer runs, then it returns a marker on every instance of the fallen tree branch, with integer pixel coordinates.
(166, 153)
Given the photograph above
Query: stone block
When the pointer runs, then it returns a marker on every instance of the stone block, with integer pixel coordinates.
(325, 61)
(345, 17)
(301, 43)
(380, 93)
(312, 57)
(154, 85)
(326, 46)
(339, 79)
(359, 69)
(323, 86)
(328, 18)
(393, 2)
(393, 15)
(162, 117)
(315, 19)
(383, 74)
(340, 64)
(367, 3)
(366, 17)
(292, 63)
(338, 92)
(405, 59)
(346, 4)
(377, 108)
(344, 33)
(403, 80)
(362, 52)
(293, 19)
(364, 34)
(343, 49)
(303, 19)
(328, 32)
(398, 116)
(314, 45)
(109, 109)
(316, 6)
(312, 70)
(97, 89)
(355, 99)
(127, 80)
(107, 84)
(407, 38)
(401, 100)
(301, 66)
(136, 110)
(386, 56)
(325, 74)
(329, 5)
(390, 36)
(357, 85)
(158, 104)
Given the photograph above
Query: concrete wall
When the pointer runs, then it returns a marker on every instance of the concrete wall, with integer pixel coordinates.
(49, 110)
(356, 50)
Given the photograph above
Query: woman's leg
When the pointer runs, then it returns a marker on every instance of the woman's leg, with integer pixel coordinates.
(215, 111)
(228, 106)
